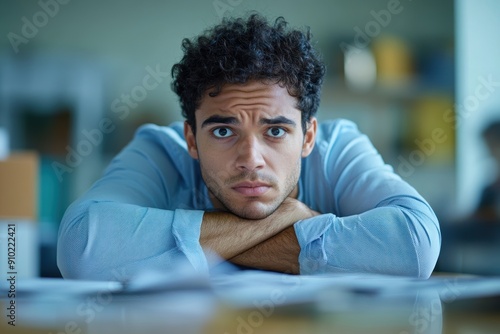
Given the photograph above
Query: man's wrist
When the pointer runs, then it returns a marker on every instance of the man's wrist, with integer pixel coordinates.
(278, 253)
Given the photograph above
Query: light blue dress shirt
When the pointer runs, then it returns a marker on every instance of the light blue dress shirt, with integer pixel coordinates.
(146, 211)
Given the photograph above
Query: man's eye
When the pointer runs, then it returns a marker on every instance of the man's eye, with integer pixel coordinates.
(276, 132)
(222, 132)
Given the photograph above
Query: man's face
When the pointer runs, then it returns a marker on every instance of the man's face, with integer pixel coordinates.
(249, 142)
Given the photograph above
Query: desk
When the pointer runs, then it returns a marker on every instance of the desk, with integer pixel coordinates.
(455, 305)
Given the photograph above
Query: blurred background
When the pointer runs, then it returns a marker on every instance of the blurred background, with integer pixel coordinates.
(420, 78)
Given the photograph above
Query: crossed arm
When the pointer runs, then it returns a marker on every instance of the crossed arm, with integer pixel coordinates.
(269, 243)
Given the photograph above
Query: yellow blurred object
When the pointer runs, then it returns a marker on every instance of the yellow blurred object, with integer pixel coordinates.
(394, 60)
(433, 128)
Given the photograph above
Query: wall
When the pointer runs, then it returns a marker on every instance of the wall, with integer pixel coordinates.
(129, 35)
(478, 54)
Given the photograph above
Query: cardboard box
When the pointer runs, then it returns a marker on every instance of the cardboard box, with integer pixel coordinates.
(19, 215)
(19, 186)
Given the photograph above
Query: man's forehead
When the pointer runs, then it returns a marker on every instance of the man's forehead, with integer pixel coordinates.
(262, 103)
(256, 102)
(267, 92)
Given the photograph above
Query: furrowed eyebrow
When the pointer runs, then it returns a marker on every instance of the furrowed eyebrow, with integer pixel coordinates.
(278, 120)
(216, 119)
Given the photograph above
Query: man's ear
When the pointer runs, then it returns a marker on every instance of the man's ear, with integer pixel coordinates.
(190, 140)
(309, 137)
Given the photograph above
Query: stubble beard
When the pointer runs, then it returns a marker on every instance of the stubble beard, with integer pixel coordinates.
(252, 209)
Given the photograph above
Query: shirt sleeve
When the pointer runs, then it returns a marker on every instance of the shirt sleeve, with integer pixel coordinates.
(372, 221)
(136, 216)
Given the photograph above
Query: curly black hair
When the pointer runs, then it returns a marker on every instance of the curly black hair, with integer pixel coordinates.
(239, 50)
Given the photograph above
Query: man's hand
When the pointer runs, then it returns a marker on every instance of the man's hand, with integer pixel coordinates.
(257, 243)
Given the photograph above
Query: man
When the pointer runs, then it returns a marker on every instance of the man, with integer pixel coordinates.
(250, 176)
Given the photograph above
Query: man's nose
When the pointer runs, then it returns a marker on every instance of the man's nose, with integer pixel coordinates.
(250, 154)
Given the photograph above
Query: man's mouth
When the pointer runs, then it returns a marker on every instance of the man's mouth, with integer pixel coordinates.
(251, 188)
